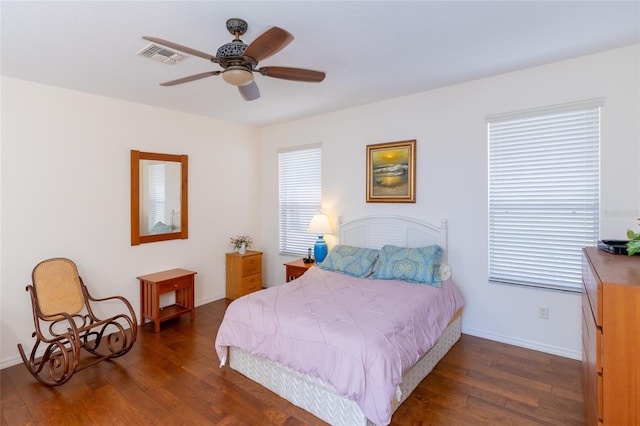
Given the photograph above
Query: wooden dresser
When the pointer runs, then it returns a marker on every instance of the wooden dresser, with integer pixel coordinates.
(611, 338)
(244, 273)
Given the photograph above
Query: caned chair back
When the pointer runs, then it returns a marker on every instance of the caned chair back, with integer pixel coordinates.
(57, 286)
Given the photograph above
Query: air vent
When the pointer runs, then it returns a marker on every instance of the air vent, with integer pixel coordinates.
(162, 54)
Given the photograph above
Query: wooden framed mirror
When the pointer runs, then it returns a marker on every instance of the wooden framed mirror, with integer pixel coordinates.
(159, 189)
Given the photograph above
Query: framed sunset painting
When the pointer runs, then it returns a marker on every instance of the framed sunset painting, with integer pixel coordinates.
(391, 172)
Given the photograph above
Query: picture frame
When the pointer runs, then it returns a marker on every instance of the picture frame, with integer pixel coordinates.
(391, 172)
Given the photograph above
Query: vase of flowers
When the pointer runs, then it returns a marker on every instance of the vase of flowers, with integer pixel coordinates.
(633, 246)
(241, 243)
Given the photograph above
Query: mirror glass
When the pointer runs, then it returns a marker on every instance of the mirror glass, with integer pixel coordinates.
(158, 197)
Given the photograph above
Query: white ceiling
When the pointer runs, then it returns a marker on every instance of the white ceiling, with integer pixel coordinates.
(370, 50)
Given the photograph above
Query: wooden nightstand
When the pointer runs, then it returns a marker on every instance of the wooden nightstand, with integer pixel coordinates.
(180, 281)
(296, 269)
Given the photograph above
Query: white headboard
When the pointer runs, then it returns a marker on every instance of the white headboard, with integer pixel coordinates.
(376, 231)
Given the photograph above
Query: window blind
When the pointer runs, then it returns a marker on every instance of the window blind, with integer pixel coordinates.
(156, 194)
(300, 192)
(544, 194)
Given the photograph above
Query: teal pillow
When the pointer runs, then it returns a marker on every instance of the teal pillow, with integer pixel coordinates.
(354, 261)
(161, 228)
(417, 265)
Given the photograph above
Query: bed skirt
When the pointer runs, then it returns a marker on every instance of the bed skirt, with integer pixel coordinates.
(320, 398)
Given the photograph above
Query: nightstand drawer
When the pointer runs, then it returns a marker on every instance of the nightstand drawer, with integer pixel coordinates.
(175, 284)
(251, 265)
(251, 283)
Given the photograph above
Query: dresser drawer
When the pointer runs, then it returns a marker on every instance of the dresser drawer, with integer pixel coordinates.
(251, 283)
(589, 389)
(599, 398)
(251, 265)
(591, 337)
(593, 289)
(174, 284)
(591, 365)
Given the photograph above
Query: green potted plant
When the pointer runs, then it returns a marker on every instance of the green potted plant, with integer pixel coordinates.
(633, 246)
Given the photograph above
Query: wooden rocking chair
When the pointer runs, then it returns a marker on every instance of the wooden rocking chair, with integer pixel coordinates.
(61, 307)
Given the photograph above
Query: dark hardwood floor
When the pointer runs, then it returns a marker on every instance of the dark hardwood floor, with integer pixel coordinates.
(173, 378)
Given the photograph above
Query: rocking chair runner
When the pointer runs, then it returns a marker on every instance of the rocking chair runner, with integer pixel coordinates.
(60, 299)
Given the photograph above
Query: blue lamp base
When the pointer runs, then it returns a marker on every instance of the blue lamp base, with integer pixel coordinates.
(320, 249)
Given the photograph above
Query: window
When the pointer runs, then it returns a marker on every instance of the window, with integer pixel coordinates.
(156, 194)
(300, 196)
(544, 194)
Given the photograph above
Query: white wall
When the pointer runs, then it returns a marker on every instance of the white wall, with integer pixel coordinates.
(450, 128)
(66, 192)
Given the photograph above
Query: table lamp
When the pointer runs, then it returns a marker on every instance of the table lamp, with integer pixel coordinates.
(320, 225)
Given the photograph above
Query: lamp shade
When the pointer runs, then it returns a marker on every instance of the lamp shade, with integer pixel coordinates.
(320, 225)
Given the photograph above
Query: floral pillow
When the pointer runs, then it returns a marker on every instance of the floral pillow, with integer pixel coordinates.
(355, 261)
(418, 265)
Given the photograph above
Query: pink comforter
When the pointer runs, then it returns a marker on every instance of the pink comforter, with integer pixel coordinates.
(359, 335)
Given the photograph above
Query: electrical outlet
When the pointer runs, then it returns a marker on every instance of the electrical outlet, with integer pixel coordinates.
(543, 312)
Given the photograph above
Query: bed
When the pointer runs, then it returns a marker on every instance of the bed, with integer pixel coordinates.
(307, 342)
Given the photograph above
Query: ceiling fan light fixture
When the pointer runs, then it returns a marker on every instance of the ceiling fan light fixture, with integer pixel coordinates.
(238, 76)
(238, 67)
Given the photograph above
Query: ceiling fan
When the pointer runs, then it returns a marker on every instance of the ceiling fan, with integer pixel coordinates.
(239, 61)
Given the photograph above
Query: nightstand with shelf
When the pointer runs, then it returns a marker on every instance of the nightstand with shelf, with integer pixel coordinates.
(296, 269)
(180, 281)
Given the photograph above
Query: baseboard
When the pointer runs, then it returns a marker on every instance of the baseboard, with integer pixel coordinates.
(209, 300)
(536, 346)
(10, 362)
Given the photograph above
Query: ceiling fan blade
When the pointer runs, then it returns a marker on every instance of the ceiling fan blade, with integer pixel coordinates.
(250, 91)
(182, 48)
(297, 74)
(269, 43)
(190, 78)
